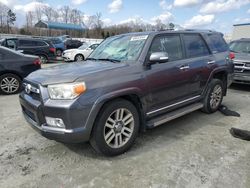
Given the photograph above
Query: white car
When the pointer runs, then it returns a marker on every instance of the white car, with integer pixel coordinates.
(80, 53)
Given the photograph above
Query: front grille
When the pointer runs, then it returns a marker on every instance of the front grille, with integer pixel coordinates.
(241, 67)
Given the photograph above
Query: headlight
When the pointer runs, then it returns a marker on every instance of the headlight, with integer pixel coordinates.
(66, 91)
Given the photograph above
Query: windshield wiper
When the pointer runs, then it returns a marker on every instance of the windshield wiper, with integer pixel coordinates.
(111, 60)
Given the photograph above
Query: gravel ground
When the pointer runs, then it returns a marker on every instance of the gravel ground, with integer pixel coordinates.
(193, 151)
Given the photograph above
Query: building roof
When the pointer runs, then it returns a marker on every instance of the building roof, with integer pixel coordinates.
(242, 24)
(62, 26)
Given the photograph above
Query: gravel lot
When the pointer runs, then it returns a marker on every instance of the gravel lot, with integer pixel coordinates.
(193, 151)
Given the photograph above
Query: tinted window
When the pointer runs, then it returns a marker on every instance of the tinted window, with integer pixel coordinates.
(170, 44)
(26, 43)
(240, 47)
(195, 45)
(39, 43)
(217, 43)
(11, 44)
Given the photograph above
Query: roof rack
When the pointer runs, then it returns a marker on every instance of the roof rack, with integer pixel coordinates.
(204, 30)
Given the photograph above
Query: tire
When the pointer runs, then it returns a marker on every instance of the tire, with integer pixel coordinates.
(43, 59)
(59, 52)
(214, 96)
(120, 132)
(10, 84)
(79, 57)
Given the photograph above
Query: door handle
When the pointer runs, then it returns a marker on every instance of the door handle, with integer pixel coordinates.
(184, 67)
(211, 62)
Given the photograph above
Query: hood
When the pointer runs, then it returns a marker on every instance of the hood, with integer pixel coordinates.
(245, 57)
(67, 73)
(68, 51)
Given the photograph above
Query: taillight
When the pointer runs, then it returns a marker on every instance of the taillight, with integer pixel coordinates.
(231, 55)
(37, 62)
(53, 50)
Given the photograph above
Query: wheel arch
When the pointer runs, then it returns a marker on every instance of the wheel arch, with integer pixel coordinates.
(133, 97)
(79, 54)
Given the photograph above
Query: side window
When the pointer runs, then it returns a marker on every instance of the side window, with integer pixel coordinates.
(195, 45)
(39, 43)
(218, 43)
(11, 44)
(168, 43)
(25, 43)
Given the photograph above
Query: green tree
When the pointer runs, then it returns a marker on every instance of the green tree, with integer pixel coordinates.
(11, 18)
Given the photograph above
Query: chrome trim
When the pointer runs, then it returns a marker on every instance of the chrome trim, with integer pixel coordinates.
(169, 106)
(29, 88)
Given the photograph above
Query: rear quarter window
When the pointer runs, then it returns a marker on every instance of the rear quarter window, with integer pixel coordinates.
(217, 43)
(39, 43)
(195, 45)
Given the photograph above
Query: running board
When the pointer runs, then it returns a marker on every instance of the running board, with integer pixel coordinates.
(173, 115)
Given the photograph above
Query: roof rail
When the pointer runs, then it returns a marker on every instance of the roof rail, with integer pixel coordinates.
(204, 30)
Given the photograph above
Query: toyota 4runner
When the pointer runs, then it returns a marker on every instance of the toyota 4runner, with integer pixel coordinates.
(131, 82)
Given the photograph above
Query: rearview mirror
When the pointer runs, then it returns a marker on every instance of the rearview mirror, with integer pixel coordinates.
(158, 57)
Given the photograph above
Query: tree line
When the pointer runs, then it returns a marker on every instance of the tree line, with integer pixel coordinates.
(94, 23)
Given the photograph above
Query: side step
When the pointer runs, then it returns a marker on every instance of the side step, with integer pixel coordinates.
(173, 115)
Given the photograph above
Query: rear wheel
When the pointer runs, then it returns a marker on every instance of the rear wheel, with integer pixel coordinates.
(9, 84)
(214, 96)
(116, 128)
(43, 59)
(79, 57)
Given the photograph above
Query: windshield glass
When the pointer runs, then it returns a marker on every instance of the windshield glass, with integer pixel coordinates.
(240, 47)
(84, 46)
(120, 48)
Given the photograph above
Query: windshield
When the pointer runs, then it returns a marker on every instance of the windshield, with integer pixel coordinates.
(83, 47)
(240, 47)
(120, 48)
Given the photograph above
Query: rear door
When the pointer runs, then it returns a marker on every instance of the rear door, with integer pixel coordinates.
(200, 62)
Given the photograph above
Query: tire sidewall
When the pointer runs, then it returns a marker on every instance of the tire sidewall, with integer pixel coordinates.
(207, 105)
(79, 55)
(98, 136)
(14, 76)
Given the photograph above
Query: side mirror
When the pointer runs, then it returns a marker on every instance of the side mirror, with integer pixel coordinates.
(158, 57)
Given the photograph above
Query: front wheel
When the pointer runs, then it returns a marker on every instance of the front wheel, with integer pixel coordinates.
(214, 96)
(116, 128)
(79, 57)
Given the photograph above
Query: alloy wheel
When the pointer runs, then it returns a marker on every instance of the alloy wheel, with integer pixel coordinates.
(119, 128)
(216, 97)
(9, 85)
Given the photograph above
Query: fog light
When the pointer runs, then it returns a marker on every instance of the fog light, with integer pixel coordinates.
(55, 122)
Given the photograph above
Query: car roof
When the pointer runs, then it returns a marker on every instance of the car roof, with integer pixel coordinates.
(242, 39)
(31, 39)
(172, 31)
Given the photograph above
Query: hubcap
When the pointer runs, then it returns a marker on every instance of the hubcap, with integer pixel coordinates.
(9, 85)
(119, 128)
(43, 59)
(216, 96)
(79, 58)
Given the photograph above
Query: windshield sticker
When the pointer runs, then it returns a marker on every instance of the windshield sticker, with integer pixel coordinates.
(142, 37)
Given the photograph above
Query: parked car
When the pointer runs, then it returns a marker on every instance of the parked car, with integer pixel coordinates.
(59, 45)
(32, 46)
(72, 44)
(241, 48)
(14, 66)
(130, 82)
(80, 53)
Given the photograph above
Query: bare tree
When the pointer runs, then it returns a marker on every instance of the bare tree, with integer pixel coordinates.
(49, 13)
(65, 13)
(3, 16)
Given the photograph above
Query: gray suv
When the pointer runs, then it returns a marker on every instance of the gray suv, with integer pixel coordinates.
(241, 48)
(130, 83)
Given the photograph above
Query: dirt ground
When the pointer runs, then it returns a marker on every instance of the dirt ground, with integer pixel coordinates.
(193, 151)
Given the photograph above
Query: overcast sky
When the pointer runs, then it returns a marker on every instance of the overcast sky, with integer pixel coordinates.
(206, 14)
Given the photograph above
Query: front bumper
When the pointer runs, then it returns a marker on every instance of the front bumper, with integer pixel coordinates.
(241, 78)
(67, 57)
(35, 112)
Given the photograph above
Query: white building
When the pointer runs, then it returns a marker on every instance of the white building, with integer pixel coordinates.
(241, 31)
